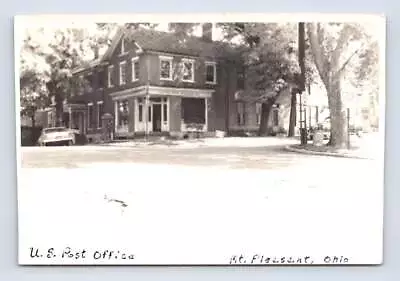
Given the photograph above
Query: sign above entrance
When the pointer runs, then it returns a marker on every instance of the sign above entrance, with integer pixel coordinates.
(182, 92)
(162, 91)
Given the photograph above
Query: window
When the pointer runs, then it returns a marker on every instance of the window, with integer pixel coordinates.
(193, 110)
(258, 112)
(135, 69)
(140, 112)
(166, 68)
(122, 73)
(188, 70)
(111, 76)
(123, 112)
(241, 113)
(211, 72)
(101, 79)
(99, 113)
(275, 117)
(49, 119)
(123, 46)
(90, 115)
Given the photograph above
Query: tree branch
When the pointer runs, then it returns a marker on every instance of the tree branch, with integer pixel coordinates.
(316, 48)
(347, 61)
(344, 37)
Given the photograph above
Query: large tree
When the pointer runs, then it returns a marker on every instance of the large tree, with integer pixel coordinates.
(32, 93)
(335, 47)
(52, 54)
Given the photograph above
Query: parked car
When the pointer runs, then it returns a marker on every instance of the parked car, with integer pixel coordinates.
(322, 127)
(57, 136)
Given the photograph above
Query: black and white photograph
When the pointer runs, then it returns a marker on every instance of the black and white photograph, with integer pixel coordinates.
(200, 139)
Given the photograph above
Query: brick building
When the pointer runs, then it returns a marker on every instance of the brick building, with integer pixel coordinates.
(157, 82)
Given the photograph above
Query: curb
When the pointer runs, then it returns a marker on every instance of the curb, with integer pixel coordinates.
(310, 152)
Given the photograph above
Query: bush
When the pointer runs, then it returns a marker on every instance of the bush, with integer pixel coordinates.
(30, 136)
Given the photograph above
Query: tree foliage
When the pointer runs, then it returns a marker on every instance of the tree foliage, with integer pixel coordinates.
(269, 59)
(49, 55)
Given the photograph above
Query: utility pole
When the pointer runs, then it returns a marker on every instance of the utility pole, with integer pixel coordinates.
(303, 125)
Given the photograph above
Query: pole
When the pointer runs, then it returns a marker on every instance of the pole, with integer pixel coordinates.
(303, 129)
(147, 98)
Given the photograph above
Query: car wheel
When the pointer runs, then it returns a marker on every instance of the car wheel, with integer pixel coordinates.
(70, 143)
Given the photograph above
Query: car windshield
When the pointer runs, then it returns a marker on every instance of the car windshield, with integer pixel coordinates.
(54, 130)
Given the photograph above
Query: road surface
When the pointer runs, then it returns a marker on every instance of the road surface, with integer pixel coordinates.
(202, 205)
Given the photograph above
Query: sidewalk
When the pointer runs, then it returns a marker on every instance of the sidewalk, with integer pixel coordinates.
(366, 147)
(207, 142)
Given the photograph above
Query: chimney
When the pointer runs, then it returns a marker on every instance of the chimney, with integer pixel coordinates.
(207, 31)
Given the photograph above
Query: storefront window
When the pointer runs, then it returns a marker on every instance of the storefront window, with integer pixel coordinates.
(193, 110)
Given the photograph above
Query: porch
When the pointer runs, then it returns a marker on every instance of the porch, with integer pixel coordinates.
(158, 110)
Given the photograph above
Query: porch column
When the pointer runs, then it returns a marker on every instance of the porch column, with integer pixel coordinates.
(115, 115)
(168, 114)
(206, 113)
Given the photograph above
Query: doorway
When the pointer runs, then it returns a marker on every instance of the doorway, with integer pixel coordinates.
(156, 118)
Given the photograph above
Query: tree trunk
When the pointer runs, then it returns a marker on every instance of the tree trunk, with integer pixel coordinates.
(58, 99)
(59, 109)
(292, 120)
(265, 112)
(338, 115)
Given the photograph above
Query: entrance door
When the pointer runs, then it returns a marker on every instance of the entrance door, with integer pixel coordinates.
(156, 118)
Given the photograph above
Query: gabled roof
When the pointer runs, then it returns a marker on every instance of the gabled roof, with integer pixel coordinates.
(114, 43)
(166, 42)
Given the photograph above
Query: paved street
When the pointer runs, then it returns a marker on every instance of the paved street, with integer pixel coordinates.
(270, 157)
(236, 196)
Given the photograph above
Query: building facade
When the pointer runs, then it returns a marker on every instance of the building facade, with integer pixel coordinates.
(157, 83)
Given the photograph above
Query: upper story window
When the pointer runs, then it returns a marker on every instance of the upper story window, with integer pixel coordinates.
(110, 76)
(122, 73)
(211, 72)
(135, 69)
(165, 68)
(188, 70)
(123, 46)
